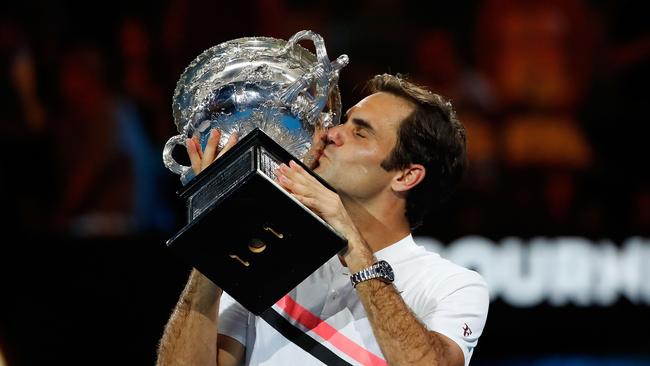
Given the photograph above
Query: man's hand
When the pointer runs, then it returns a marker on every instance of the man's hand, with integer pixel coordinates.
(201, 159)
(311, 193)
(327, 205)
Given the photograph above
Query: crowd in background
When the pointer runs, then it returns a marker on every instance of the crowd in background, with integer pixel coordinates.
(553, 95)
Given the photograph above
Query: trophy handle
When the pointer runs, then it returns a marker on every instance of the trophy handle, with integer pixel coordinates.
(319, 44)
(185, 172)
(325, 74)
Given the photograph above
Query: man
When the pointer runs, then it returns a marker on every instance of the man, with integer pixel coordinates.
(400, 149)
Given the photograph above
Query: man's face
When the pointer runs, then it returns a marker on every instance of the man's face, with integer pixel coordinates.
(351, 161)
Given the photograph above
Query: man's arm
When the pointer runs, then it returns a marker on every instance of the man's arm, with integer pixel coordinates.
(403, 339)
(190, 336)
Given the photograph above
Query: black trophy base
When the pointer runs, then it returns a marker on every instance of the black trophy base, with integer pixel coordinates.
(246, 233)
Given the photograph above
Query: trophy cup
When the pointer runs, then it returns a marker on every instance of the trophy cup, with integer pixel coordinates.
(245, 232)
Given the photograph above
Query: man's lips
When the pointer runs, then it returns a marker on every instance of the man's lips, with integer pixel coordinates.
(313, 160)
(318, 156)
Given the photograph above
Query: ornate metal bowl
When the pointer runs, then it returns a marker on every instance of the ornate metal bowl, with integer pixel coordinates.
(269, 83)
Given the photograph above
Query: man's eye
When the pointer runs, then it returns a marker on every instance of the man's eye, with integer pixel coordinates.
(360, 134)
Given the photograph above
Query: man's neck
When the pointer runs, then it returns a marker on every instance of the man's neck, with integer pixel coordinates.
(379, 226)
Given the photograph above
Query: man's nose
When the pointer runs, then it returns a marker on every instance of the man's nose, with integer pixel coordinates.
(335, 136)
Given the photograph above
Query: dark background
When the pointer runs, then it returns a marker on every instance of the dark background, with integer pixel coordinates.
(553, 95)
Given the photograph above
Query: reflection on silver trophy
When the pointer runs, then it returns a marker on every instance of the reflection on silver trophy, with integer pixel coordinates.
(245, 232)
(257, 82)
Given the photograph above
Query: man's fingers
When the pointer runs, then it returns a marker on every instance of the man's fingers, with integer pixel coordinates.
(197, 145)
(297, 180)
(296, 166)
(201, 159)
(298, 175)
(301, 174)
(295, 188)
(285, 182)
(292, 175)
(307, 201)
(232, 140)
(210, 148)
(195, 158)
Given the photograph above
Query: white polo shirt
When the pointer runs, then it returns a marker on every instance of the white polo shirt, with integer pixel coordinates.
(445, 297)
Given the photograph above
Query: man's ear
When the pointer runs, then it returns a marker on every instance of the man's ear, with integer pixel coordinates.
(408, 178)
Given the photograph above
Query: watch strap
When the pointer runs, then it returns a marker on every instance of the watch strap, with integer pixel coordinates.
(374, 271)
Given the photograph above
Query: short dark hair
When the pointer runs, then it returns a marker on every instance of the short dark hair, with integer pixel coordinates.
(432, 136)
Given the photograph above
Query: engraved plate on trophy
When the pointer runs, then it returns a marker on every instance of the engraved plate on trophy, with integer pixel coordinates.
(245, 232)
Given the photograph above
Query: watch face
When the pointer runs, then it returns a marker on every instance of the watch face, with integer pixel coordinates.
(387, 271)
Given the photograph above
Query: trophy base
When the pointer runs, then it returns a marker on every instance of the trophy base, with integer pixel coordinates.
(246, 233)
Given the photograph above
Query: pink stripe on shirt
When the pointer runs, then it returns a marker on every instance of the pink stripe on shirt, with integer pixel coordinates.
(324, 330)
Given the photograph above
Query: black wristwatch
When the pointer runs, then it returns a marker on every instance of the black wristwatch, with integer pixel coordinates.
(380, 270)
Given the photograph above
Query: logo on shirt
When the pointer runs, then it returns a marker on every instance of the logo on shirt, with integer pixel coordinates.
(466, 331)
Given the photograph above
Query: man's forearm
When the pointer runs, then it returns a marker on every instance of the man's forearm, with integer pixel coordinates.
(190, 336)
(402, 338)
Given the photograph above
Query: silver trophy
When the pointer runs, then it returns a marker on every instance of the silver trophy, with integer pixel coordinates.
(244, 231)
(257, 82)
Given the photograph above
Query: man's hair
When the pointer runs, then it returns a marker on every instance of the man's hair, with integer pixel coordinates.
(431, 136)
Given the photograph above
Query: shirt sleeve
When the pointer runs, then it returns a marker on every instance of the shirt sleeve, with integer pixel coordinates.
(233, 319)
(460, 313)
